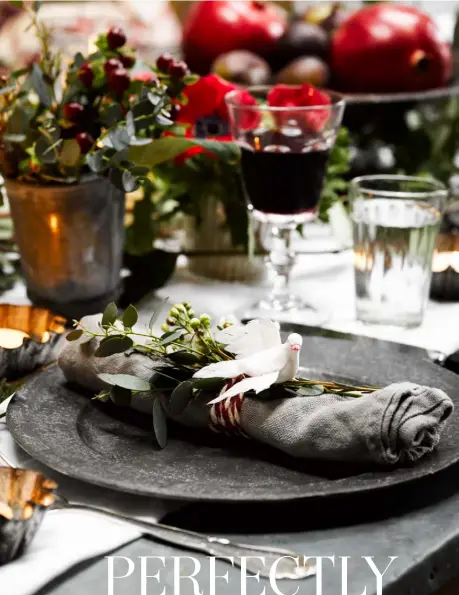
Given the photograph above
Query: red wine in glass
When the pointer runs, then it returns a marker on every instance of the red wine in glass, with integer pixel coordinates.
(283, 176)
(285, 150)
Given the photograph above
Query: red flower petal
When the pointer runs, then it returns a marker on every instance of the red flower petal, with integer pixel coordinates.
(205, 98)
(300, 96)
(247, 119)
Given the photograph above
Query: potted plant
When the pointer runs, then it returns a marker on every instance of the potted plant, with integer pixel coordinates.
(74, 139)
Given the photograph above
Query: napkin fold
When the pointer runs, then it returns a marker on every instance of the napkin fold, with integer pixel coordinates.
(401, 422)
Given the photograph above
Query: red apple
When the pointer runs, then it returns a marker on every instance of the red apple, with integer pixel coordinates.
(215, 27)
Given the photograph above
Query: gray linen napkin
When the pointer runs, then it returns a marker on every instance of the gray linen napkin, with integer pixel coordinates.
(401, 422)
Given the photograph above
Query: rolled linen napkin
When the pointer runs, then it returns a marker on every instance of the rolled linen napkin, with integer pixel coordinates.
(401, 422)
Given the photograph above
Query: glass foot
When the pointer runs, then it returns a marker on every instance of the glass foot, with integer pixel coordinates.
(288, 308)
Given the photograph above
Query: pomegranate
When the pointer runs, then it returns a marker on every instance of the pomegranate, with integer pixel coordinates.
(215, 27)
(389, 48)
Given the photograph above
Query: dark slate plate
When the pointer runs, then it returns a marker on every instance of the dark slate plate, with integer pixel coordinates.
(62, 428)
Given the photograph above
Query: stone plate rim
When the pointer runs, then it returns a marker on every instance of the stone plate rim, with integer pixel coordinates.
(23, 423)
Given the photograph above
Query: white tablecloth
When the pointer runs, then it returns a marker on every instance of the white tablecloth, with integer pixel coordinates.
(327, 282)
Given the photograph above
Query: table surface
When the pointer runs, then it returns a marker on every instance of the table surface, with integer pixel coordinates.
(419, 525)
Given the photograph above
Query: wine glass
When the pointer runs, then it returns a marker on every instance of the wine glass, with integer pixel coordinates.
(284, 156)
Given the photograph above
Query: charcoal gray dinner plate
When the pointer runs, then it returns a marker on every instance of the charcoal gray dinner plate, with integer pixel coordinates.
(60, 426)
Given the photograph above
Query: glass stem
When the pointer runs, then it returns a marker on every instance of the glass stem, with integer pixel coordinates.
(282, 259)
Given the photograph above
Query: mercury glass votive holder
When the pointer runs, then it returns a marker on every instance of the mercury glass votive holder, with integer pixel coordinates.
(29, 338)
(24, 498)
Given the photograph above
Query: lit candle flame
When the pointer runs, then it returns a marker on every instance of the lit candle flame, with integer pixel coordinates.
(256, 142)
(443, 260)
(11, 338)
(54, 223)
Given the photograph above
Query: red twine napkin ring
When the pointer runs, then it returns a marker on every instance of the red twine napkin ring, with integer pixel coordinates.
(225, 416)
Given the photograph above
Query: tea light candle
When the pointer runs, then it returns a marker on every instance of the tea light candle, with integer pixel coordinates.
(11, 338)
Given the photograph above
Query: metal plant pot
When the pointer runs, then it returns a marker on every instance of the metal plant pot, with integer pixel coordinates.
(70, 239)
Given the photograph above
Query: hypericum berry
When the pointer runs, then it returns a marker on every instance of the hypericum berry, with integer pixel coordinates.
(165, 328)
(86, 75)
(112, 64)
(164, 62)
(178, 70)
(73, 111)
(174, 113)
(85, 142)
(119, 80)
(195, 323)
(127, 61)
(116, 38)
(205, 319)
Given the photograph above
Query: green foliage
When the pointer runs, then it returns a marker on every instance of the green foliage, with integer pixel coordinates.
(335, 184)
(431, 141)
(126, 381)
(186, 345)
(123, 128)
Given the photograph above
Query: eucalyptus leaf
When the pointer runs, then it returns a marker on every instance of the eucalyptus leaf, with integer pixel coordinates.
(170, 337)
(96, 162)
(79, 60)
(120, 396)
(74, 335)
(110, 315)
(130, 182)
(144, 115)
(153, 319)
(116, 178)
(181, 397)
(159, 423)
(130, 317)
(45, 150)
(19, 122)
(127, 381)
(112, 345)
(130, 124)
(70, 92)
(70, 153)
(139, 142)
(209, 383)
(163, 120)
(155, 99)
(183, 357)
(42, 88)
(119, 138)
(141, 349)
(310, 391)
(159, 150)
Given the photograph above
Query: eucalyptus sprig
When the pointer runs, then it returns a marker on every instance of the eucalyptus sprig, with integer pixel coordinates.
(187, 343)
